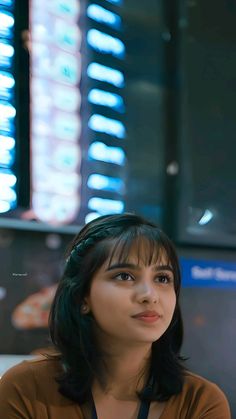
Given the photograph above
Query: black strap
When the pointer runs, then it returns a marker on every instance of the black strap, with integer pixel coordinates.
(142, 414)
(144, 410)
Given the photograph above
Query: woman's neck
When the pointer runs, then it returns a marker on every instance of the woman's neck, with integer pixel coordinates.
(126, 372)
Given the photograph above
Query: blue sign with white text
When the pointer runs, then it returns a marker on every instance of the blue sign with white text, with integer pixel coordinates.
(208, 273)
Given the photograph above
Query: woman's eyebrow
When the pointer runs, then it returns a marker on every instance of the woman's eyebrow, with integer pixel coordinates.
(163, 268)
(156, 268)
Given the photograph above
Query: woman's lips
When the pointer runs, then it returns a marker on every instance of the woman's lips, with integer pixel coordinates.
(147, 316)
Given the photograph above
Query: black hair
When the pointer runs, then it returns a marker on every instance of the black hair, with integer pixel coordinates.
(72, 332)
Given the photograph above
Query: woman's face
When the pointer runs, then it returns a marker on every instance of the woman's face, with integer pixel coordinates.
(132, 303)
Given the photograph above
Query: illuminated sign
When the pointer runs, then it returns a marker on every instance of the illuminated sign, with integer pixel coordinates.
(208, 273)
(108, 107)
(55, 110)
(8, 178)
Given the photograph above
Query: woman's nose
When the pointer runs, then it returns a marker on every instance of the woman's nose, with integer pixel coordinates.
(147, 293)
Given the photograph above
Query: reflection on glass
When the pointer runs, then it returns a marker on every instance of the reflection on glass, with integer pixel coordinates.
(207, 216)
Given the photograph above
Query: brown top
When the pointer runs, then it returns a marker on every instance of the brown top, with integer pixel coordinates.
(29, 391)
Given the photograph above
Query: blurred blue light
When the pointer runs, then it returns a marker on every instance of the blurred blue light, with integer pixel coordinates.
(4, 206)
(91, 216)
(7, 81)
(207, 216)
(7, 178)
(105, 43)
(6, 54)
(98, 13)
(7, 143)
(107, 125)
(101, 97)
(64, 8)
(99, 151)
(7, 2)
(6, 50)
(105, 183)
(6, 24)
(106, 206)
(7, 194)
(116, 1)
(7, 157)
(110, 75)
(7, 110)
(7, 84)
(7, 125)
(7, 151)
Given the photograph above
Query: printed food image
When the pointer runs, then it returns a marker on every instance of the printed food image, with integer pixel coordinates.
(33, 312)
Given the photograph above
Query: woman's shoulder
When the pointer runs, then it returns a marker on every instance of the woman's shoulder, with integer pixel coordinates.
(30, 389)
(198, 384)
(33, 369)
(200, 397)
(32, 376)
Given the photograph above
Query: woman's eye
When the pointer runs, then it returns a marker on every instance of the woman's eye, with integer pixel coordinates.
(164, 279)
(124, 276)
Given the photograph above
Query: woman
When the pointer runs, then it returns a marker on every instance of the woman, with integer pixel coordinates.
(116, 325)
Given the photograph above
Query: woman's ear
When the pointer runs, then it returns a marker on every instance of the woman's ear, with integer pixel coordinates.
(85, 309)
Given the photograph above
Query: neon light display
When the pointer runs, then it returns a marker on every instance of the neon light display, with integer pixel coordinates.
(102, 152)
(8, 178)
(106, 183)
(6, 24)
(55, 104)
(104, 98)
(118, 2)
(104, 206)
(109, 126)
(107, 74)
(105, 43)
(98, 13)
(109, 98)
(8, 3)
